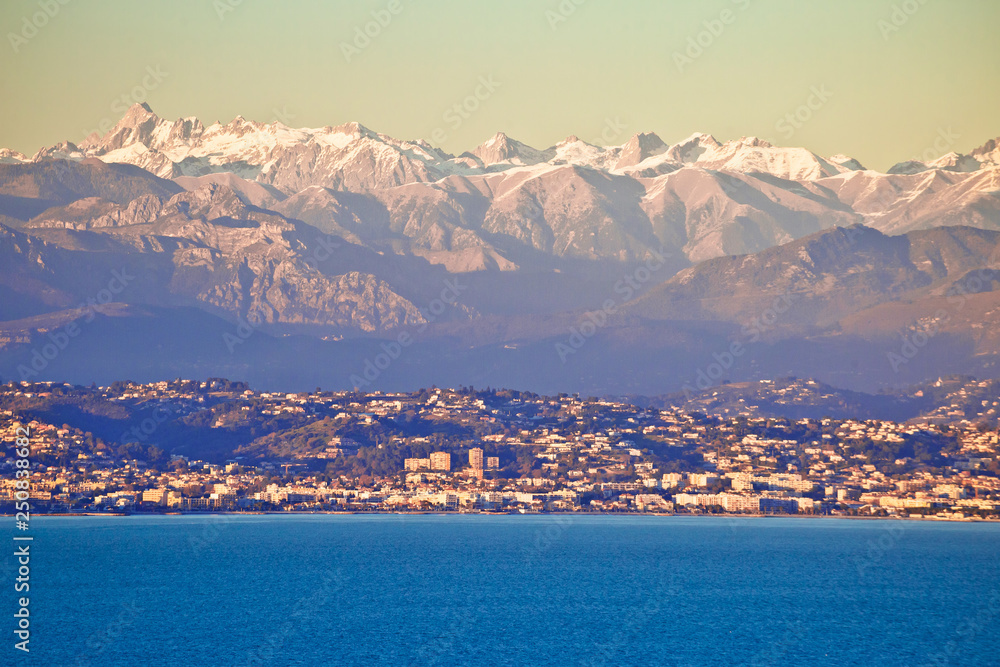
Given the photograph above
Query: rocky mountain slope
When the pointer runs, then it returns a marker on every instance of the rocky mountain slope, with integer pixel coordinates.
(829, 275)
(210, 248)
(500, 204)
(324, 243)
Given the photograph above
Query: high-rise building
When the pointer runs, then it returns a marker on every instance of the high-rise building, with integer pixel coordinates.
(417, 464)
(440, 461)
(492, 462)
(476, 458)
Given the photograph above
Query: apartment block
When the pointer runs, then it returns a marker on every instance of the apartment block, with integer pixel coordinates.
(440, 461)
(476, 458)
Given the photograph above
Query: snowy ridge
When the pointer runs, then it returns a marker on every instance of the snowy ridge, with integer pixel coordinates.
(505, 202)
(353, 157)
(984, 157)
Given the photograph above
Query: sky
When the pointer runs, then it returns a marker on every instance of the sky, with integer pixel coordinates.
(879, 80)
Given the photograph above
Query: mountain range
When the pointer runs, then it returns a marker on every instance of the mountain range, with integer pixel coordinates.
(304, 256)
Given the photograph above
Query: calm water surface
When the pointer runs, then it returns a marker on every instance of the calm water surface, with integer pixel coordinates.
(510, 590)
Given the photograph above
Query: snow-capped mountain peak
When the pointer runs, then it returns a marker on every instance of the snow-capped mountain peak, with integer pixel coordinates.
(64, 150)
(984, 157)
(847, 162)
(348, 155)
(751, 142)
(690, 149)
(353, 157)
(8, 156)
(501, 149)
(575, 151)
(137, 114)
(988, 153)
(640, 147)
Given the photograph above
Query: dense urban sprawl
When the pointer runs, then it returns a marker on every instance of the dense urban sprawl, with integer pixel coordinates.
(221, 446)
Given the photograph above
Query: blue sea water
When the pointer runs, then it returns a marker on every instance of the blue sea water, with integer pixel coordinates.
(509, 590)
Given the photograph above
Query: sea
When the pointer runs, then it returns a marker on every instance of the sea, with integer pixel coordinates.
(517, 590)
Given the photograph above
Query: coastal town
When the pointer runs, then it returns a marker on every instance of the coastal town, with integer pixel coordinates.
(220, 446)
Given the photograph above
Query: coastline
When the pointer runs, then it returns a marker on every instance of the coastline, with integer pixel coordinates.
(926, 519)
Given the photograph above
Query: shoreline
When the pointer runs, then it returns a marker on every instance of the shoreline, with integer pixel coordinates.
(930, 518)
